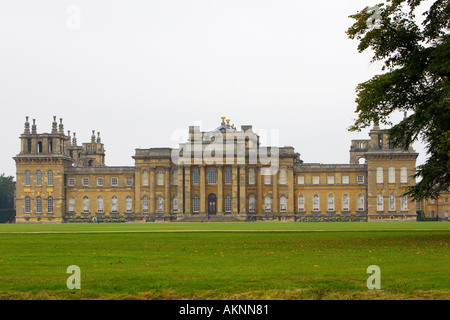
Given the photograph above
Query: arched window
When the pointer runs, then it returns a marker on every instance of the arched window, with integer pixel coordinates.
(175, 204)
(27, 178)
(39, 178)
(39, 147)
(71, 204)
(267, 203)
(27, 205)
(379, 175)
(251, 204)
(50, 178)
(283, 204)
(283, 176)
(86, 204)
(391, 202)
(160, 178)
(145, 178)
(129, 204)
(316, 203)
(360, 202)
(391, 175)
(380, 203)
(403, 175)
(99, 204)
(404, 203)
(196, 204)
(195, 176)
(251, 176)
(330, 202)
(39, 205)
(114, 204)
(212, 176)
(227, 175)
(145, 204)
(301, 203)
(50, 205)
(345, 203)
(160, 204)
(228, 202)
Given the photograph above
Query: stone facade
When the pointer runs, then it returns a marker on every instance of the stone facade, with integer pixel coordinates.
(223, 173)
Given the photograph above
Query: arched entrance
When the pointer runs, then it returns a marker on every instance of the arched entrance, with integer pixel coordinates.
(212, 204)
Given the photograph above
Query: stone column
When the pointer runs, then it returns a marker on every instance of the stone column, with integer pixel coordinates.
(220, 189)
(234, 189)
(242, 190)
(180, 190)
(167, 184)
(152, 199)
(187, 190)
(202, 189)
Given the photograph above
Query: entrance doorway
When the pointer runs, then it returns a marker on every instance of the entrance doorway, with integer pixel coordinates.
(212, 204)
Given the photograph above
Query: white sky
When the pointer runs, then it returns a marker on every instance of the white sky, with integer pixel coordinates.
(139, 70)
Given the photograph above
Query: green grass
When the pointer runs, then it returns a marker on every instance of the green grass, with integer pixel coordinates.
(225, 260)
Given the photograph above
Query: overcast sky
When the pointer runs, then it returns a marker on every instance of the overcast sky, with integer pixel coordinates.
(137, 71)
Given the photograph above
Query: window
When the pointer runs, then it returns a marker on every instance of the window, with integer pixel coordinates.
(445, 200)
(345, 203)
(380, 203)
(379, 175)
(145, 178)
(71, 204)
(174, 177)
(212, 176)
(196, 204)
(283, 203)
(175, 204)
(85, 204)
(267, 179)
(50, 178)
(50, 205)
(330, 202)
(39, 178)
(403, 175)
(267, 204)
(360, 179)
(38, 204)
(315, 180)
(100, 204)
(27, 205)
(316, 203)
(160, 178)
(283, 176)
(39, 147)
(129, 204)
(251, 176)
(85, 182)
(301, 203)
(71, 182)
(227, 175)
(404, 203)
(391, 175)
(129, 181)
(251, 204)
(145, 204)
(419, 205)
(100, 182)
(391, 202)
(27, 178)
(330, 179)
(300, 180)
(360, 202)
(345, 179)
(195, 176)
(228, 202)
(114, 182)
(114, 205)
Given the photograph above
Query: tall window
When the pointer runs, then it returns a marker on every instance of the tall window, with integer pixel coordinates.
(227, 175)
(251, 176)
(160, 178)
(145, 204)
(404, 203)
(316, 203)
(391, 175)
(360, 202)
(283, 204)
(283, 176)
(114, 205)
(330, 202)
(50, 205)
(27, 178)
(39, 178)
(195, 176)
(85, 204)
(251, 203)
(345, 203)
(228, 202)
(71, 204)
(39, 205)
(267, 204)
(403, 175)
(174, 177)
(301, 203)
(175, 204)
(379, 175)
(380, 203)
(129, 204)
(391, 202)
(100, 204)
(50, 178)
(196, 204)
(212, 176)
(27, 205)
(145, 178)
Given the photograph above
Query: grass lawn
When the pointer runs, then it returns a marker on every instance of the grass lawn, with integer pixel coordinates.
(226, 260)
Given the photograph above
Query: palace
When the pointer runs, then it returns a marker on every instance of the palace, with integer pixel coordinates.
(219, 175)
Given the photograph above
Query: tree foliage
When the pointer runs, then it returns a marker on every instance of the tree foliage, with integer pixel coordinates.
(7, 187)
(416, 62)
